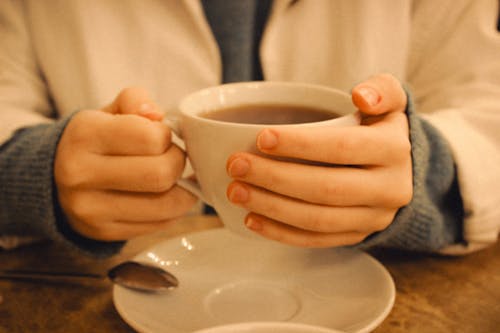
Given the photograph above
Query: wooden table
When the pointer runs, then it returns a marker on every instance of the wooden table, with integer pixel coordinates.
(434, 294)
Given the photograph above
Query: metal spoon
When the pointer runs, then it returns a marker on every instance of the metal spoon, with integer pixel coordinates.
(129, 274)
(143, 277)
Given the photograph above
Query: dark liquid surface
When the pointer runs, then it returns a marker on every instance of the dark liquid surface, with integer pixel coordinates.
(273, 114)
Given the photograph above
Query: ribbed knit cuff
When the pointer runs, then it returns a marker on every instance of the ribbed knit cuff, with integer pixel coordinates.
(28, 198)
(434, 217)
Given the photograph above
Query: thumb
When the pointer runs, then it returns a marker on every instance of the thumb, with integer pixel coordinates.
(135, 100)
(379, 94)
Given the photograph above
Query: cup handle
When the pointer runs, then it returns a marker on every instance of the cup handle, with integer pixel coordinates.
(173, 121)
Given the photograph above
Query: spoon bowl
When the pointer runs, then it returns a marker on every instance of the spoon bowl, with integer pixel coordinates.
(129, 274)
(142, 277)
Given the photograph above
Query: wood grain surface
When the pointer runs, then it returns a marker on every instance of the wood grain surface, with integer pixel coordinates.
(434, 293)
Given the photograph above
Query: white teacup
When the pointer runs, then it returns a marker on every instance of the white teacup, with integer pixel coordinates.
(209, 143)
(267, 327)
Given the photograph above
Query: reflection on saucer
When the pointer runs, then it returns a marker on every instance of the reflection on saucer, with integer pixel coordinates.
(267, 327)
(227, 279)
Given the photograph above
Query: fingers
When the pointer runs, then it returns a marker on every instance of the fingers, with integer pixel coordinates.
(287, 234)
(308, 216)
(115, 215)
(129, 135)
(130, 173)
(379, 94)
(130, 207)
(360, 145)
(355, 181)
(149, 207)
(339, 186)
(105, 134)
(116, 168)
(135, 100)
(117, 231)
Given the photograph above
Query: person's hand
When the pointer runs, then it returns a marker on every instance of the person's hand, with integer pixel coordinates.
(116, 170)
(365, 176)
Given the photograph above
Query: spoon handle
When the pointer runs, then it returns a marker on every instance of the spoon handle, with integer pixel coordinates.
(30, 274)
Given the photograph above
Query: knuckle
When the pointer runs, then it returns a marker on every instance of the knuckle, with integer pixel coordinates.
(162, 136)
(179, 159)
(401, 149)
(403, 197)
(126, 92)
(157, 139)
(129, 99)
(394, 188)
(382, 220)
(129, 93)
(405, 191)
(76, 131)
(79, 207)
(160, 179)
(69, 173)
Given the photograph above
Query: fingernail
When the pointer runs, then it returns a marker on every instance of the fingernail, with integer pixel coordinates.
(370, 96)
(237, 193)
(253, 224)
(238, 167)
(267, 139)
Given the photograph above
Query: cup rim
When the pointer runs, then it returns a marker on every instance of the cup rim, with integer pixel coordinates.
(183, 105)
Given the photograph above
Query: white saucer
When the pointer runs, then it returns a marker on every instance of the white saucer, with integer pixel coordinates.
(226, 279)
(267, 327)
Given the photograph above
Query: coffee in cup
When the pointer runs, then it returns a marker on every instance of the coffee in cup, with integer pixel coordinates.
(269, 114)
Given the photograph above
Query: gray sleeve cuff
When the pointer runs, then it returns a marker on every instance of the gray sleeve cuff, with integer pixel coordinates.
(434, 217)
(28, 198)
